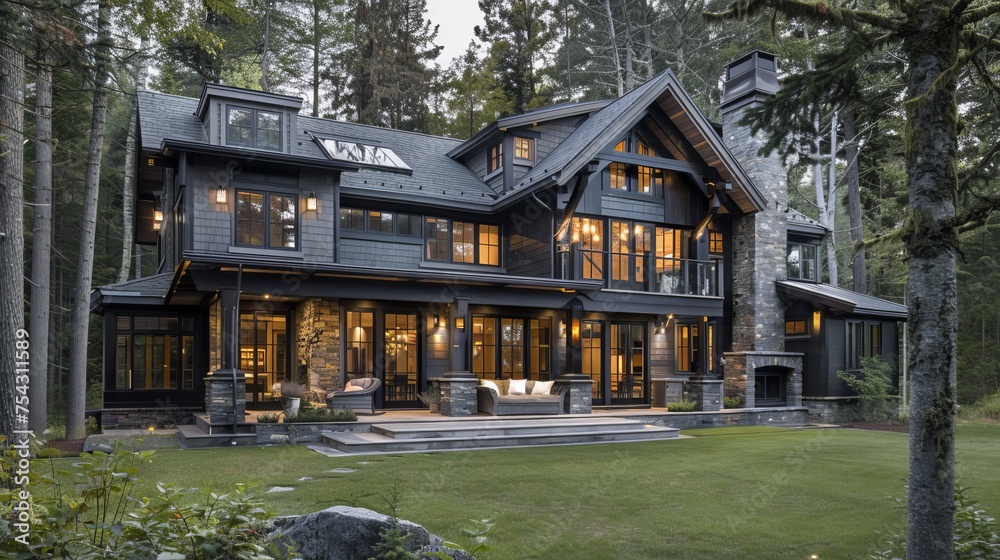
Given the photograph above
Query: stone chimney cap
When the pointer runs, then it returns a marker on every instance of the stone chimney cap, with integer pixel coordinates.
(751, 77)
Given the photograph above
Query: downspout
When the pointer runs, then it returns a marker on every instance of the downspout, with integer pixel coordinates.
(552, 227)
(236, 340)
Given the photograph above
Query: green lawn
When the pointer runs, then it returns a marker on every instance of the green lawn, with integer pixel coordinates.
(731, 493)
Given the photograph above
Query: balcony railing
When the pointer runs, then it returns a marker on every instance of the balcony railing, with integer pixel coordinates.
(644, 272)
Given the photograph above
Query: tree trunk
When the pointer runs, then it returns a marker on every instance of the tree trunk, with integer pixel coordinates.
(264, 85)
(13, 339)
(614, 48)
(315, 62)
(128, 190)
(41, 244)
(76, 399)
(931, 48)
(859, 268)
(830, 219)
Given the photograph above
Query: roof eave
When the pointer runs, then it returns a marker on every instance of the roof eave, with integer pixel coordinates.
(169, 144)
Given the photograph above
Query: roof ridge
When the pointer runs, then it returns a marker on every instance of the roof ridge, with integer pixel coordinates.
(382, 128)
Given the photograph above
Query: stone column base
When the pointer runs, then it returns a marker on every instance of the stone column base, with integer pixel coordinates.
(707, 392)
(219, 403)
(580, 389)
(458, 393)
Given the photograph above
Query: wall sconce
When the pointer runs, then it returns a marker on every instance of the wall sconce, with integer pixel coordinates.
(437, 319)
(221, 195)
(460, 323)
(574, 332)
(817, 322)
(312, 203)
(157, 215)
(658, 324)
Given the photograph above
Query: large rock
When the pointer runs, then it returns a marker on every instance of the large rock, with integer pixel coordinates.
(345, 533)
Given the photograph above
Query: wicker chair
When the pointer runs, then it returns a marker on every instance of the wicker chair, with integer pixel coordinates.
(356, 399)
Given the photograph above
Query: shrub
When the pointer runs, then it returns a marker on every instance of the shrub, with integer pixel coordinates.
(94, 516)
(975, 534)
(988, 408)
(682, 406)
(268, 418)
(322, 415)
(732, 402)
(873, 386)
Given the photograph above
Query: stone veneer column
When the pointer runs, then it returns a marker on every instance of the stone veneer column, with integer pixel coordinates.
(458, 393)
(219, 402)
(580, 388)
(706, 392)
(324, 364)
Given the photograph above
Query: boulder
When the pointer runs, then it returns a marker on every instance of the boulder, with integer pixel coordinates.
(344, 533)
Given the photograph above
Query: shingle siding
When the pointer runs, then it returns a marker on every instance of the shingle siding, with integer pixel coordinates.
(379, 254)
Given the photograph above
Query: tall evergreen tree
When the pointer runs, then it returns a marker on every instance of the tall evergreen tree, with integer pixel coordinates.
(937, 41)
(519, 34)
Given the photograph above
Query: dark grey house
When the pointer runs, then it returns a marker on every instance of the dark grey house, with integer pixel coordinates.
(625, 240)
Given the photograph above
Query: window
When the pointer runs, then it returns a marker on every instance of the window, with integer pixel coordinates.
(592, 349)
(500, 349)
(629, 244)
(635, 178)
(643, 149)
(153, 353)
(618, 179)
(253, 128)
(864, 340)
(352, 219)
(494, 157)
(802, 262)
(715, 242)
(793, 328)
(649, 180)
(359, 343)
(589, 232)
(376, 221)
(266, 220)
(622, 146)
(524, 148)
(462, 242)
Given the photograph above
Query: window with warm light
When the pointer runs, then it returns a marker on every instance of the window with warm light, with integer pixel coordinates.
(715, 242)
(793, 328)
(494, 157)
(462, 242)
(524, 149)
(153, 353)
(266, 220)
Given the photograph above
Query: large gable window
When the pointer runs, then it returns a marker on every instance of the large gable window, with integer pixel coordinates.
(253, 128)
(462, 242)
(635, 178)
(266, 220)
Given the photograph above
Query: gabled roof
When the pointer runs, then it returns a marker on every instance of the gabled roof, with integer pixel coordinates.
(843, 300)
(802, 224)
(535, 116)
(611, 122)
(150, 290)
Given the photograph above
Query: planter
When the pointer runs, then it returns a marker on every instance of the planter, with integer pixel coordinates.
(290, 406)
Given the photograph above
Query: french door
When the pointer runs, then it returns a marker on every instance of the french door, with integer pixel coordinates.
(385, 344)
(264, 355)
(628, 363)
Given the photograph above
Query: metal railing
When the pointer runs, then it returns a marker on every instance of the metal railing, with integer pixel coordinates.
(644, 272)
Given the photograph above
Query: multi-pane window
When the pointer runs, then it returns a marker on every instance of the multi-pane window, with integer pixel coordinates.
(356, 219)
(494, 157)
(462, 242)
(793, 328)
(618, 179)
(864, 340)
(629, 244)
(592, 350)
(524, 148)
(501, 349)
(266, 220)
(359, 344)
(687, 347)
(715, 242)
(153, 353)
(589, 233)
(649, 180)
(802, 262)
(254, 128)
(636, 178)
(643, 149)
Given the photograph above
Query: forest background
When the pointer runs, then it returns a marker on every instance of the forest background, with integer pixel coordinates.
(373, 62)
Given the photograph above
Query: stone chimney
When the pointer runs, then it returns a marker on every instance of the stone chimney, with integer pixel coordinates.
(759, 246)
(760, 239)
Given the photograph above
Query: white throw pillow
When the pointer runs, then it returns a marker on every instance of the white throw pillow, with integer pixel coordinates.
(542, 387)
(517, 387)
(352, 388)
(491, 385)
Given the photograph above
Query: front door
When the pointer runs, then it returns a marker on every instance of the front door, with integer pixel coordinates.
(628, 363)
(264, 356)
(401, 376)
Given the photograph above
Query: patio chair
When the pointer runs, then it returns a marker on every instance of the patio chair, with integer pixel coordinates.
(358, 395)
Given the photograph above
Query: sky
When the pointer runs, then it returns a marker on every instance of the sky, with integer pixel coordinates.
(456, 19)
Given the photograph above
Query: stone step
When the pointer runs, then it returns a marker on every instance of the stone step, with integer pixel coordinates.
(204, 425)
(370, 443)
(193, 437)
(483, 428)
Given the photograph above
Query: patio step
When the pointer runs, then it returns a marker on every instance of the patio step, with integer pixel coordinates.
(444, 436)
(193, 437)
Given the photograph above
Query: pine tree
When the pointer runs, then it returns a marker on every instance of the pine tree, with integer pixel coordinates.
(518, 34)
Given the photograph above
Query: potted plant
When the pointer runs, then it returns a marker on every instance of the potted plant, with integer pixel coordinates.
(432, 398)
(291, 397)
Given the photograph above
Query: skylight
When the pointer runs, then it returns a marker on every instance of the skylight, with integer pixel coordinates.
(356, 152)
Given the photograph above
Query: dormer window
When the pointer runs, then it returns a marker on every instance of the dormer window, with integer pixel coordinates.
(253, 128)
(524, 149)
(494, 157)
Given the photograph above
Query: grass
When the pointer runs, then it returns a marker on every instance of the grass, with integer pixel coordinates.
(749, 493)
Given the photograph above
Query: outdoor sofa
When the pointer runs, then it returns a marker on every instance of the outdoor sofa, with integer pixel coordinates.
(501, 397)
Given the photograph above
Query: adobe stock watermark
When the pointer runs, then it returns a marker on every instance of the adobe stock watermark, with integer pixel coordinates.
(20, 494)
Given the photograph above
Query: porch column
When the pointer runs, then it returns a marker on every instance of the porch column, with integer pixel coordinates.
(226, 388)
(574, 350)
(459, 329)
(230, 327)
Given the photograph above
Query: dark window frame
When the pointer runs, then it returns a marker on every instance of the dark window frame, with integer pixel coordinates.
(450, 242)
(185, 330)
(494, 157)
(365, 221)
(529, 369)
(864, 342)
(267, 222)
(530, 148)
(254, 128)
(801, 274)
